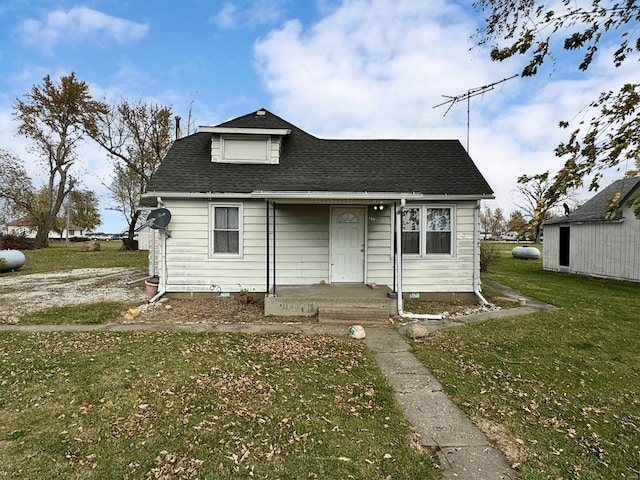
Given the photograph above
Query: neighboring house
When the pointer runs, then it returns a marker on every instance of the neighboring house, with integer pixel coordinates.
(22, 228)
(591, 241)
(257, 203)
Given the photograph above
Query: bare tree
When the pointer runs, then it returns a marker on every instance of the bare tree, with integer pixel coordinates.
(535, 202)
(55, 117)
(136, 136)
(16, 189)
(492, 222)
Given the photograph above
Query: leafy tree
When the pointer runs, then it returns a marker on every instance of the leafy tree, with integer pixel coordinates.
(136, 136)
(531, 29)
(83, 209)
(55, 117)
(517, 222)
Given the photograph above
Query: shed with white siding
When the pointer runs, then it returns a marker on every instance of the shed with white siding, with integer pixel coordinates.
(257, 203)
(601, 238)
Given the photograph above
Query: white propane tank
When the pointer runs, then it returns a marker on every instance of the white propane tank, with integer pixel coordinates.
(526, 252)
(11, 260)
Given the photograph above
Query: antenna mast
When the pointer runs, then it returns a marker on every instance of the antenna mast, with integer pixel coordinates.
(467, 96)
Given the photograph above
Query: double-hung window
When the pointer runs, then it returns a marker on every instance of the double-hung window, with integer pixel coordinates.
(411, 231)
(427, 231)
(226, 223)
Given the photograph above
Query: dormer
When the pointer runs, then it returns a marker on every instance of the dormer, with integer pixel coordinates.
(246, 145)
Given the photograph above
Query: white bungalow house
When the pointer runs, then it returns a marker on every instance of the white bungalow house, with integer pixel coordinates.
(259, 205)
(593, 241)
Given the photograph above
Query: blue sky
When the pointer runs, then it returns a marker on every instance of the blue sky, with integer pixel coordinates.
(337, 69)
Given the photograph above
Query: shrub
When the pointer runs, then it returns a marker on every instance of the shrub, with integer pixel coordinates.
(489, 254)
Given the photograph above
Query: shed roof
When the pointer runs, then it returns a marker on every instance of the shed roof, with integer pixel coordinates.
(311, 164)
(595, 209)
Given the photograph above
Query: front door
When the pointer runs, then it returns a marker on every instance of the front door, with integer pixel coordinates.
(347, 244)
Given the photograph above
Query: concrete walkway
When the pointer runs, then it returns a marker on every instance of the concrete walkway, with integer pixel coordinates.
(463, 450)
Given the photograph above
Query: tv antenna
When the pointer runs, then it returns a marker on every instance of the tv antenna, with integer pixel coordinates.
(472, 92)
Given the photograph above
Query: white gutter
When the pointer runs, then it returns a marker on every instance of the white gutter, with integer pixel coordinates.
(476, 263)
(315, 195)
(401, 312)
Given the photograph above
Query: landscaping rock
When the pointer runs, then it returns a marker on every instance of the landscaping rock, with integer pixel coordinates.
(357, 332)
(417, 330)
(92, 246)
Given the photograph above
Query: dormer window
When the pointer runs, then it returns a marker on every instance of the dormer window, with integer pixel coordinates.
(245, 149)
(246, 145)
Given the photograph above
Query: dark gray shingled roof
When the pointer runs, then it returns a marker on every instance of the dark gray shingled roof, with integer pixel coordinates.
(308, 163)
(595, 209)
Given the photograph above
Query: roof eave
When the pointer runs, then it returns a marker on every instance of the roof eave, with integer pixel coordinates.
(311, 195)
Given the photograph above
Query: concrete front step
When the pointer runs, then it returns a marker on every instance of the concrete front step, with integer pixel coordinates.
(360, 314)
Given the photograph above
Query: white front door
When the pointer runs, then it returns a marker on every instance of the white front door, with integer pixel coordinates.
(347, 244)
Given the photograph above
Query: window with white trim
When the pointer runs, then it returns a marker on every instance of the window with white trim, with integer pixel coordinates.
(411, 231)
(226, 230)
(427, 231)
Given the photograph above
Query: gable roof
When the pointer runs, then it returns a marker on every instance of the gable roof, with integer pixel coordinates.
(595, 209)
(311, 164)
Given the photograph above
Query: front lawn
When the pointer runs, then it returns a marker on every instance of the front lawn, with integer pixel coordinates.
(559, 390)
(186, 406)
(61, 256)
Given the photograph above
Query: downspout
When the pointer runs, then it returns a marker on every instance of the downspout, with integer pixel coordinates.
(401, 312)
(274, 249)
(163, 290)
(476, 264)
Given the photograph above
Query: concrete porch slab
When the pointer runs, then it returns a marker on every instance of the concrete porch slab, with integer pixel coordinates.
(342, 301)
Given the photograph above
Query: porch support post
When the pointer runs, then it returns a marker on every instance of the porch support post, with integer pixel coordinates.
(274, 248)
(266, 204)
(395, 248)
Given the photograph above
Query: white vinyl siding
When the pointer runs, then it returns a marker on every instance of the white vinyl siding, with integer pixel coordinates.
(302, 244)
(445, 273)
(601, 249)
(429, 273)
(190, 265)
(302, 236)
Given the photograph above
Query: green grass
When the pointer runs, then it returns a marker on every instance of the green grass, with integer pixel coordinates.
(60, 256)
(83, 314)
(177, 405)
(563, 386)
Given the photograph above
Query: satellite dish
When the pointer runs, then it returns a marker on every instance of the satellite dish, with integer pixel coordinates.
(159, 218)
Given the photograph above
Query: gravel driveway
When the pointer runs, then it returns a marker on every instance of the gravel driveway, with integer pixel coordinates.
(21, 294)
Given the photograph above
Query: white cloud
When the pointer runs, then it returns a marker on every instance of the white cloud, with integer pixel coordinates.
(376, 68)
(249, 13)
(226, 18)
(76, 24)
